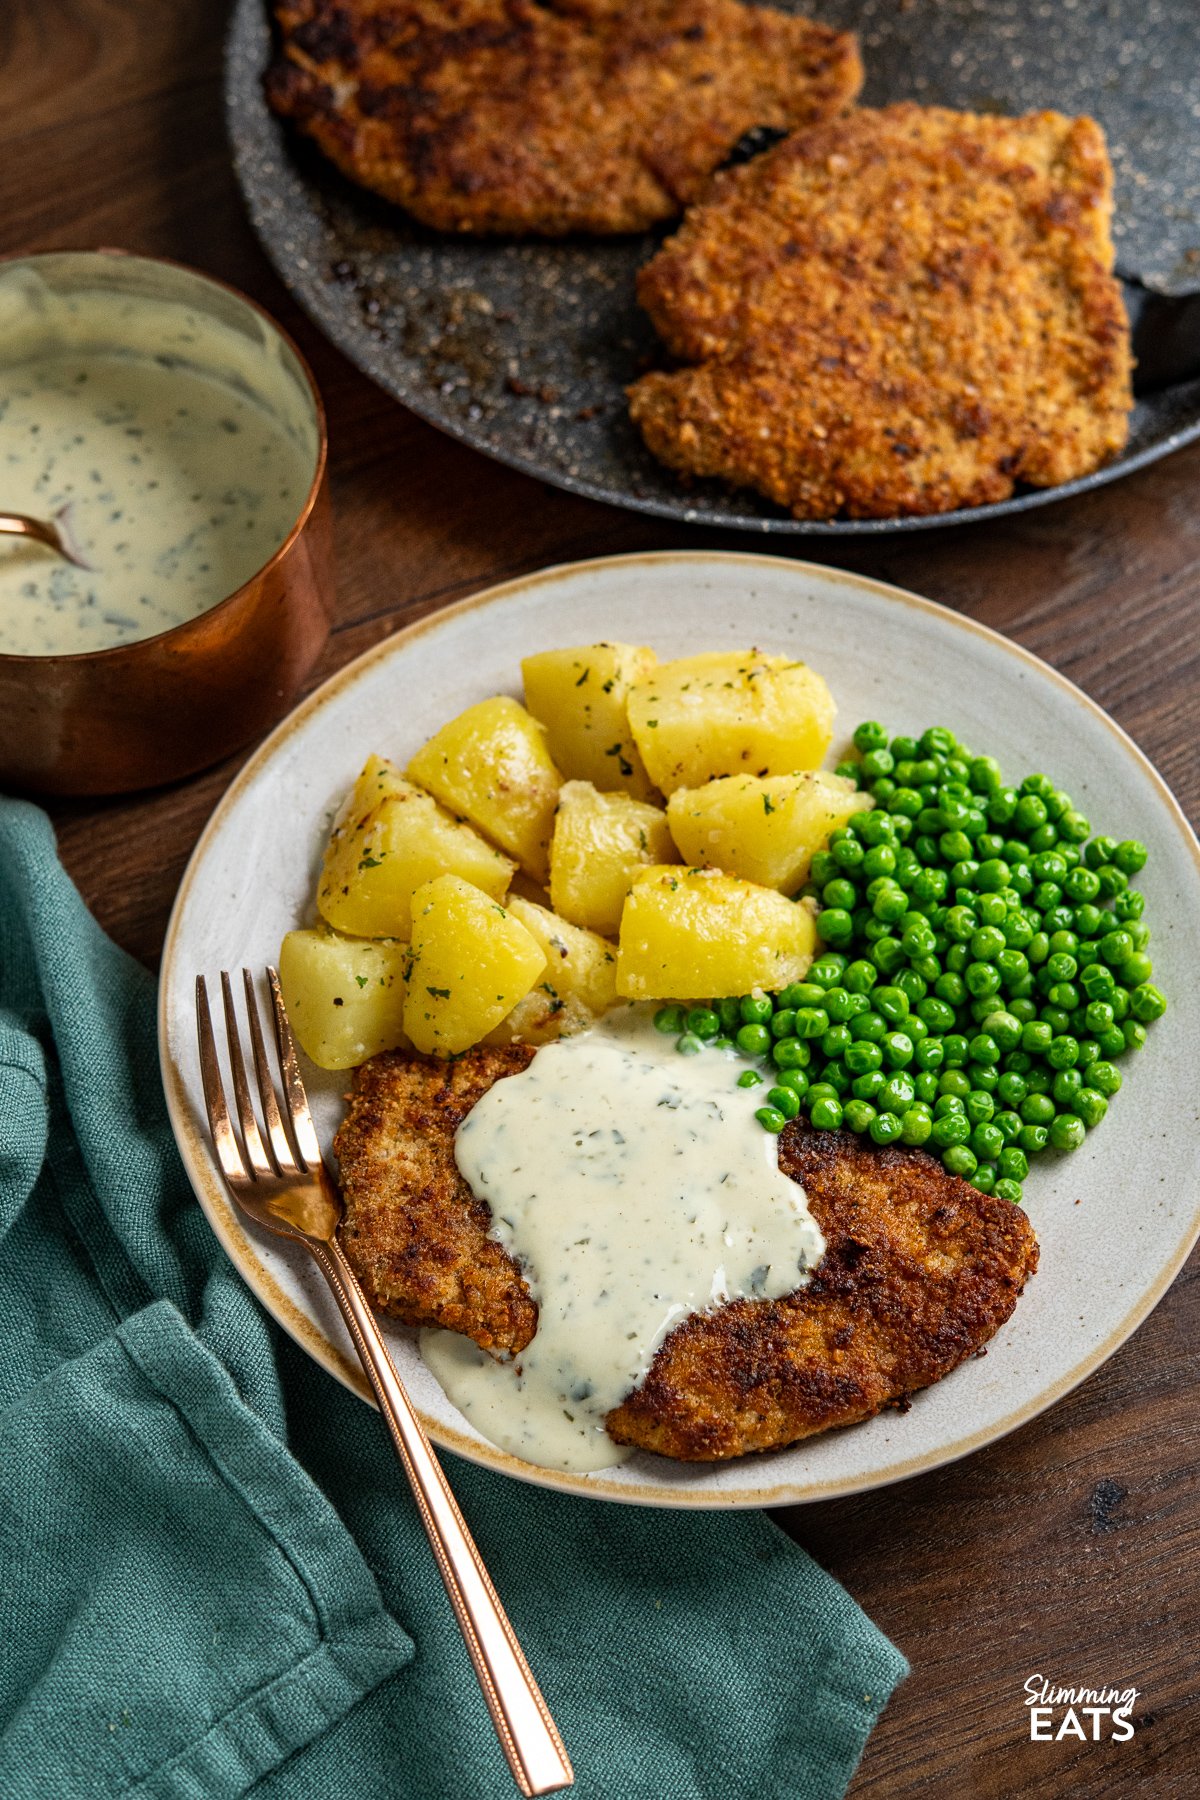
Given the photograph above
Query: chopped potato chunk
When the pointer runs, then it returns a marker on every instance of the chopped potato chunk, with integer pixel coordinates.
(764, 828)
(729, 712)
(344, 997)
(470, 963)
(491, 765)
(599, 840)
(579, 696)
(392, 837)
(579, 963)
(695, 934)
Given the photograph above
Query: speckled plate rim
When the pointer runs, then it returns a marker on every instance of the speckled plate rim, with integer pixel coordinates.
(244, 1253)
(246, 112)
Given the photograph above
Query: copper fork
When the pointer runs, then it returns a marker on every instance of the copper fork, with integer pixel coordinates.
(282, 1182)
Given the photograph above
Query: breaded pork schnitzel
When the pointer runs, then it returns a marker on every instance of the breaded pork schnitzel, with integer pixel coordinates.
(919, 1272)
(547, 116)
(896, 312)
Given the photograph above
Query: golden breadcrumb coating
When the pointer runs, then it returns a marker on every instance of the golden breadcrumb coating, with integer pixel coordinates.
(897, 312)
(547, 116)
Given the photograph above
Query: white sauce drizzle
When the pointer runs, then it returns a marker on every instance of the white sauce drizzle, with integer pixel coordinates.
(182, 446)
(635, 1187)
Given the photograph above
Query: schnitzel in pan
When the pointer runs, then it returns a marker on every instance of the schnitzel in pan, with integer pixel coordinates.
(920, 1270)
(542, 117)
(895, 312)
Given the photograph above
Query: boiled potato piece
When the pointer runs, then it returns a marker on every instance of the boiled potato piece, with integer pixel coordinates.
(579, 696)
(695, 934)
(579, 964)
(578, 983)
(491, 766)
(730, 712)
(470, 962)
(391, 838)
(345, 998)
(540, 1017)
(599, 839)
(764, 828)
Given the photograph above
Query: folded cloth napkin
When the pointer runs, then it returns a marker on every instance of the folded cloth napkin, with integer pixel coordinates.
(212, 1576)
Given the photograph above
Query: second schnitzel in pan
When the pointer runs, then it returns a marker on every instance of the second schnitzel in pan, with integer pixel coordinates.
(547, 116)
(920, 1270)
(897, 312)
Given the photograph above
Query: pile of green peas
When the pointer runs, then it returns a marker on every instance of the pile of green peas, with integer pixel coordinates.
(985, 967)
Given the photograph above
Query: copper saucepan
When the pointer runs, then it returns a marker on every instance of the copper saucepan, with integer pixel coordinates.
(147, 712)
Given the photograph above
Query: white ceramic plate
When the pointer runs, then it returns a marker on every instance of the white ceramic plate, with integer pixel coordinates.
(1115, 1220)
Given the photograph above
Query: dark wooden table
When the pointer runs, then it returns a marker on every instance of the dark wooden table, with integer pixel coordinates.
(1071, 1548)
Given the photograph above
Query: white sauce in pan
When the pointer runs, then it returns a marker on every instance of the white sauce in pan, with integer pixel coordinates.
(182, 447)
(635, 1186)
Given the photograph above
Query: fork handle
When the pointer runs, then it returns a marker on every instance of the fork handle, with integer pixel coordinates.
(527, 1733)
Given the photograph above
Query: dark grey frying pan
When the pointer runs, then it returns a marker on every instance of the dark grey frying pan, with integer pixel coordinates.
(524, 350)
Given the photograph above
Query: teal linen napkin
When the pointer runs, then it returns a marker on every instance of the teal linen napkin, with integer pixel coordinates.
(212, 1577)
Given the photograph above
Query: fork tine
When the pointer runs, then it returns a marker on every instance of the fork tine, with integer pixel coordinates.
(283, 1151)
(229, 1153)
(251, 1137)
(299, 1116)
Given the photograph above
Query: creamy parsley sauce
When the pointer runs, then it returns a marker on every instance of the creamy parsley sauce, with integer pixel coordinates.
(634, 1186)
(183, 448)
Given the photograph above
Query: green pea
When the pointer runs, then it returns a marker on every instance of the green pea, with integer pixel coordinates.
(1064, 998)
(1130, 856)
(749, 1078)
(1037, 1109)
(827, 1114)
(984, 1177)
(916, 1126)
(887, 953)
(868, 1027)
(789, 1053)
(955, 1050)
(784, 1101)
(1008, 1190)
(771, 1118)
(982, 979)
(1066, 1085)
(1067, 1132)
(811, 1021)
(948, 1103)
(912, 985)
(1012, 1088)
(885, 1128)
(1129, 905)
(892, 1002)
(1063, 1052)
(1112, 1042)
(1008, 1124)
(756, 1009)
(840, 892)
(987, 1141)
(866, 1087)
(961, 1161)
(1060, 966)
(1081, 884)
(937, 1014)
(952, 1128)
(928, 1052)
(1104, 1077)
(860, 977)
(1033, 1138)
(897, 1093)
(870, 735)
(1030, 813)
(670, 1019)
(862, 1055)
(1134, 1033)
(979, 1107)
(876, 763)
(703, 1022)
(1116, 947)
(689, 1044)
(848, 770)
(795, 1079)
(1090, 1105)
(1002, 806)
(1112, 881)
(754, 1040)
(926, 1086)
(835, 1042)
(1147, 1002)
(898, 1049)
(848, 854)
(1099, 851)
(857, 1115)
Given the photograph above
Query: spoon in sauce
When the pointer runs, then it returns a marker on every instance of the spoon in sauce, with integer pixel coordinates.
(55, 534)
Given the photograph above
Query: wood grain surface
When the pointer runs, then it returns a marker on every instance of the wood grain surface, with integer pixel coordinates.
(1068, 1550)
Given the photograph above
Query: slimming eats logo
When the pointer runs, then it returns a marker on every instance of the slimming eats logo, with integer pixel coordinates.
(1057, 1712)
